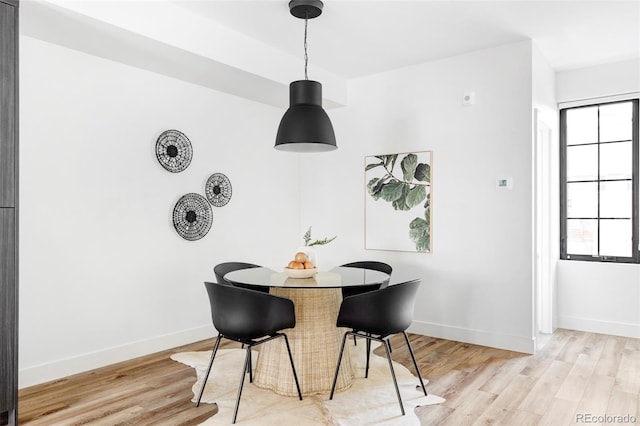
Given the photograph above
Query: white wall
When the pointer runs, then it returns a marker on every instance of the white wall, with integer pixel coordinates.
(599, 297)
(477, 283)
(103, 275)
(602, 80)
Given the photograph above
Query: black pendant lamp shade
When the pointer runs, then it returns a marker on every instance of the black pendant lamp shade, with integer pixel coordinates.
(305, 127)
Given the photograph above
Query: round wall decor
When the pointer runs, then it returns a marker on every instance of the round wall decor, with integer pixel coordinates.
(174, 150)
(192, 216)
(218, 189)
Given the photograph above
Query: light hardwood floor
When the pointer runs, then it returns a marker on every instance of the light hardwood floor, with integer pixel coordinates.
(576, 374)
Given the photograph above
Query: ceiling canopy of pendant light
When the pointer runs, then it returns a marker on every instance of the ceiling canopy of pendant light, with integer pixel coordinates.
(305, 127)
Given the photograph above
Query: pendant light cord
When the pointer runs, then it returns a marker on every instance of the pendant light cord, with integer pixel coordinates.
(306, 57)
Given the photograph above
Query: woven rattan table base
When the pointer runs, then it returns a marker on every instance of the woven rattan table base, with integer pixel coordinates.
(315, 345)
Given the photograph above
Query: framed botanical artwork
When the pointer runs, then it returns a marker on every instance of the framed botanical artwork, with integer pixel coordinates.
(398, 201)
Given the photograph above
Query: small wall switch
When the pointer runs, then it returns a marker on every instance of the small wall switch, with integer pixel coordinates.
(469, 98)
(505, 183)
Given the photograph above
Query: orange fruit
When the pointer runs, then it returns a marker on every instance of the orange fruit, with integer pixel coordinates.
(298, 265)
(291, 264)
(301, 257)
(308, 265)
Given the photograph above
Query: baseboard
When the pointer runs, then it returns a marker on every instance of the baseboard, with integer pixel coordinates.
(57, 369)
(596, 326)
(476, 337)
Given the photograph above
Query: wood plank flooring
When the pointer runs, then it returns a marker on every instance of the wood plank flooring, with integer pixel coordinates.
(575, 376)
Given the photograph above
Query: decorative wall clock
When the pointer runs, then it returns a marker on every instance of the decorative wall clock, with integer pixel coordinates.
(192, 216)
(218, 189)
(174, 150)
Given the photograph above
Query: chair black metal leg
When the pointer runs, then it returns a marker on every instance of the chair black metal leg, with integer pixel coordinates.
(250, 367)
(293, 367)
(335, 377)
(393, 374)
(354, 341)
(244, 372)
(415, 364)
(366, 371)
(206, 376)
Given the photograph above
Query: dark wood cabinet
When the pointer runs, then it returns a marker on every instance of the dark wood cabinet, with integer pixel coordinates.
(8, 113)
(8, 212)
(8, 319)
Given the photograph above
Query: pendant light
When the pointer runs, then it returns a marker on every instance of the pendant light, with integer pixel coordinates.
(305, 127)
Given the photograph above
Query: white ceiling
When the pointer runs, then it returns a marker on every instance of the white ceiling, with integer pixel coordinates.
(357, 38)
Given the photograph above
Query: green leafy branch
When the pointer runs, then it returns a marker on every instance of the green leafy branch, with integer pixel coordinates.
(420, 229)
(421, 172)
(307, 239)
(405, 193)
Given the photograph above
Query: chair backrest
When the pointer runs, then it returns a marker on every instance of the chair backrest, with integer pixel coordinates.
(383, 312)
(222, 269)
(371, 264)
(241, 313)
(367, 264)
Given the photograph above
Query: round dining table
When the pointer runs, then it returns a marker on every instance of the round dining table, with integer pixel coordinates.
(315, 340)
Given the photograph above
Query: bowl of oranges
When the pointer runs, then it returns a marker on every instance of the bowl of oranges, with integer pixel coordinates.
(300, 267)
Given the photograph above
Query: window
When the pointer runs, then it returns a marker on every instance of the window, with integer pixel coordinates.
(599, 196)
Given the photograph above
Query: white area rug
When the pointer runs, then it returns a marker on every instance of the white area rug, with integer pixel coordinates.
(369, 401)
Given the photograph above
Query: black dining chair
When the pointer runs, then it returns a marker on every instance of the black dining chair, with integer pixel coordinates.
(378, 315)
(222, 269)
(366, 264)
(249, 317)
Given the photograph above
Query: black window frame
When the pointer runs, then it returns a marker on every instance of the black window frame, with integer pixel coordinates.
(635, 176)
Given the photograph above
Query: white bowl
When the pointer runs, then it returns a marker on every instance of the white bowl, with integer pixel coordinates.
(300, 273)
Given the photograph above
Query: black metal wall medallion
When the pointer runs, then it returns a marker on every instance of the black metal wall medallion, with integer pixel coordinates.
(174, 150)
(218, 189)
(192, 216)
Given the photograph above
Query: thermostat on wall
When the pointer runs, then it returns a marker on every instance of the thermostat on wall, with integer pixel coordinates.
(505, 182)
